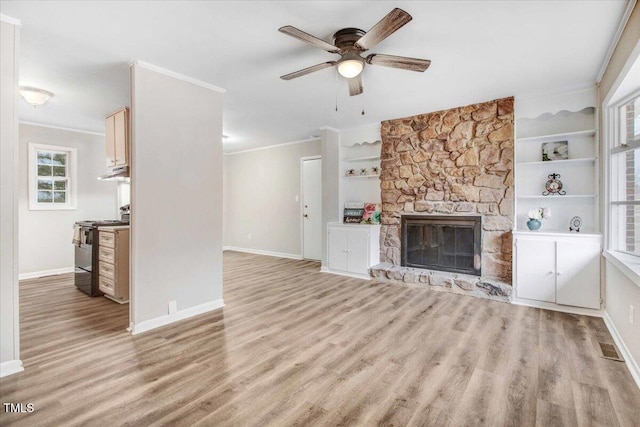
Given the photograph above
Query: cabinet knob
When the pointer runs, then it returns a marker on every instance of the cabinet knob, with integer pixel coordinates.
(305, 215)
(559, 273)
(551, 272)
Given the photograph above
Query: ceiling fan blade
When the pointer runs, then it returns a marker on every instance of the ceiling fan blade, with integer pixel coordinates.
(388, 25)
(308, 38)
(308, 70)
(402, 62)
(355, 85)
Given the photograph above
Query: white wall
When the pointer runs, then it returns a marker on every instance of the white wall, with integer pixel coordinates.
(260, 189)
(176, 197)
(45, 236)
(9, 330)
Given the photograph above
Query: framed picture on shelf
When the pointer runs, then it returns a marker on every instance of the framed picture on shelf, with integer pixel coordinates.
(557, 150)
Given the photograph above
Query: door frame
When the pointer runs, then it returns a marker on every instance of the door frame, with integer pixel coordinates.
(301, 201)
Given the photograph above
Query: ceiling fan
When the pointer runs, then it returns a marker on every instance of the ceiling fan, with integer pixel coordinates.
(350, 42)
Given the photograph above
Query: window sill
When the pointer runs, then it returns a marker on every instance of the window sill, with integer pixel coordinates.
(629, 265)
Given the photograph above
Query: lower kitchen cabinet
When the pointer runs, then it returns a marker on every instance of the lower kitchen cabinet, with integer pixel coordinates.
(352, 248)
(558, 269)
(113, 262)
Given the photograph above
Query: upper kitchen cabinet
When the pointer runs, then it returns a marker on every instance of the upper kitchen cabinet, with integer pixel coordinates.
(117, 138)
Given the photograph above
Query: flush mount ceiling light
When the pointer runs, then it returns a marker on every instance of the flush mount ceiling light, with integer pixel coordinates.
(34, 96)
(350, 66)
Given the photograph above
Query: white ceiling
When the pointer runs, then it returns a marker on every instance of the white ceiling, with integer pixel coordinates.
(480, 50)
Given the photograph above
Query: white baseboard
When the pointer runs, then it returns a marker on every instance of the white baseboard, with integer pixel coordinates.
(147, 325)
(628, 358)
(10, 367)
(43, 273)
(556, 307)
(261, 252)
(344, 273)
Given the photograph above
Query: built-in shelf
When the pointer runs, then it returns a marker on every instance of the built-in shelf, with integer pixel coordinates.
(568, 196)
(589, 132)
(559, 162)
(361, 159)
(361, 176)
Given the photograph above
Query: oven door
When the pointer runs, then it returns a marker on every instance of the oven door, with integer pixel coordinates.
(83, 277)
(84, 252)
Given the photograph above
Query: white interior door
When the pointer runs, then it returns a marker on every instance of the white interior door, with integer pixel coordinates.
(312, 209)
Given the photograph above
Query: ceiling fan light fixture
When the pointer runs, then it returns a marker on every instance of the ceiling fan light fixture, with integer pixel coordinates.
(34, 96)
(350, 66)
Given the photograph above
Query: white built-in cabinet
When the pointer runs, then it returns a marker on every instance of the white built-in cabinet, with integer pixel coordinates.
(557, 269)
(554, 267)
(352, 248)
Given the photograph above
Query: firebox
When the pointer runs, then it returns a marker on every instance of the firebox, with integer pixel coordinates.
(446, 243)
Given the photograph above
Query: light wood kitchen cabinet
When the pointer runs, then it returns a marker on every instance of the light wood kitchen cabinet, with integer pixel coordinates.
(352, 248)
(113, 262)
(117, 138)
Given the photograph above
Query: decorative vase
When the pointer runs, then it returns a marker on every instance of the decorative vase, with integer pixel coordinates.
(534, 224)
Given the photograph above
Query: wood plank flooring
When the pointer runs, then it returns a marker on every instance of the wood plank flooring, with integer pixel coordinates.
(295, 347)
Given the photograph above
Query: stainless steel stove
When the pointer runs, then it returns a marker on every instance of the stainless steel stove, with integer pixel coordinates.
(86, 254)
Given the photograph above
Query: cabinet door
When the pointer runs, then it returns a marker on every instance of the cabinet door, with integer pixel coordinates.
(337, 248)
(358, 246)
(536, 269)
(109, 138)
(121, 138)
(579, 273)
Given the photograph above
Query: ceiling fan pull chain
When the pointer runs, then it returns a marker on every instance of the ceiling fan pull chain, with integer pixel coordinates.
(336, 91)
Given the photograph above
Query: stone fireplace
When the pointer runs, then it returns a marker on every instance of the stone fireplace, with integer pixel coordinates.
(455, 164)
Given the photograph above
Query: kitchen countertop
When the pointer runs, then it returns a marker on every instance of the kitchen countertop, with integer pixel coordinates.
(112, 227)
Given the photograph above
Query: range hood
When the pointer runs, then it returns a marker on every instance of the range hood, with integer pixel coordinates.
(116, 174)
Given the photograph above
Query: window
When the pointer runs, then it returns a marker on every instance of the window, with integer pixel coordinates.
(52, 177)
(625, 176)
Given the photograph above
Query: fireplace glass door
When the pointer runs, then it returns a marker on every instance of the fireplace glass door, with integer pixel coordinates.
(442, 243)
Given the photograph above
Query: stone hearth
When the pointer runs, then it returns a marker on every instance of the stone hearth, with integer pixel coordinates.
(453, 162)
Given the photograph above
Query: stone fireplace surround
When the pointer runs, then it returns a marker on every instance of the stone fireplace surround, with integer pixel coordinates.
(453, 162)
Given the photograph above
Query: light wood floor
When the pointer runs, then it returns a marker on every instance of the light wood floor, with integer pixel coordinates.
(298, 347)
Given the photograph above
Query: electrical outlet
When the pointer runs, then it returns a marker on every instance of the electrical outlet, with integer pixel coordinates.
(173, 306)
(631, 314)
(297, 198)
(249, 236)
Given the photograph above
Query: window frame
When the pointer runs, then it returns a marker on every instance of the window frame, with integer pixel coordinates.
(615, 147)
(71, 203)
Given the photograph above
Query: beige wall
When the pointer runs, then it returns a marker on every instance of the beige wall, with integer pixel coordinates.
(45, 236)
(331, 209)
(176, 198)
(9, 330)
(260, 189)
(620, 292)
(626, 44)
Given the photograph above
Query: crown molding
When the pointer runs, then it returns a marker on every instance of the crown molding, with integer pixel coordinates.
(616, 39)
(10, 20)
(44, 125)
(272, 146)
(329, 128)
(178, 76)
